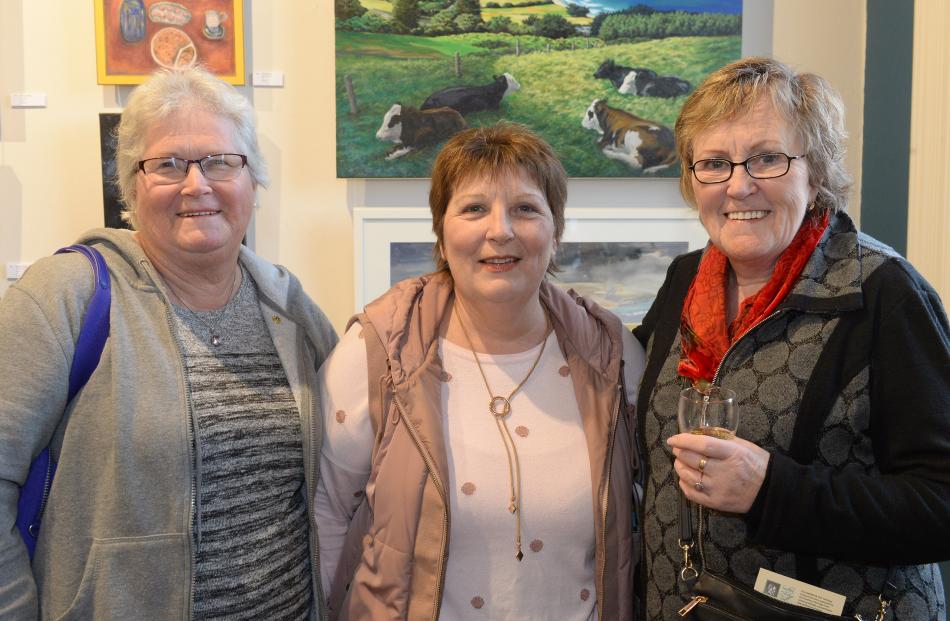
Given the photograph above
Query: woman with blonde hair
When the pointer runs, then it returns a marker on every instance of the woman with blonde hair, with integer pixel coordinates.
(836, 349)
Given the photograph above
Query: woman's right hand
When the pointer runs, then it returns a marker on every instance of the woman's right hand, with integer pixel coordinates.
(725, 475)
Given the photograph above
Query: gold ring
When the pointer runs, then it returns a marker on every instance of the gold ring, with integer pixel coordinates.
(702, 464)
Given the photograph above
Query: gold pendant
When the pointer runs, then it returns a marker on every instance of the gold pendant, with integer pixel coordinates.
(500, 402)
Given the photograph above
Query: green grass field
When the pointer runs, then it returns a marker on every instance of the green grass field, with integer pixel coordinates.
(401, 46)
(516, 13)
(519, 14)
(556, 89)
(383, 7)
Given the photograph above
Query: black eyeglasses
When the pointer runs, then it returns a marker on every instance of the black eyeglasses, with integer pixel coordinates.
(761, 166)
(216, 167)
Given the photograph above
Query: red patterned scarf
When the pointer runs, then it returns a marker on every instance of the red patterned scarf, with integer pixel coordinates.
(706, 335)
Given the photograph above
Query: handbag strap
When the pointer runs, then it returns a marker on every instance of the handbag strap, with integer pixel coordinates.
(31, 503)
(95, 326)
(686, 542)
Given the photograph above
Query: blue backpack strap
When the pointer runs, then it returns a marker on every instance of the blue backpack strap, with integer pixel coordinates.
(89, 346)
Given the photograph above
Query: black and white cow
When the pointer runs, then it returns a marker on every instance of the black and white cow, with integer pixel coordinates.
(644, 84)
(413, 129)
(642, 144)
(641, 81)
(609, 70)
(466, 99)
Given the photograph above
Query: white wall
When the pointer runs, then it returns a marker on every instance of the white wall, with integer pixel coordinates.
(50, 180)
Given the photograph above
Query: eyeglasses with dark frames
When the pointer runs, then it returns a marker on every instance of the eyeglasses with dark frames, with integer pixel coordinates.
(760, 166)
(215, 167)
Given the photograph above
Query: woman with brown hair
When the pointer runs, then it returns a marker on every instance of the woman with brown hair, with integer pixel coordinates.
(479, 457)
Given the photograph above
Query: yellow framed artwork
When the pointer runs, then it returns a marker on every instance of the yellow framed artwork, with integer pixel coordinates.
(135, 38)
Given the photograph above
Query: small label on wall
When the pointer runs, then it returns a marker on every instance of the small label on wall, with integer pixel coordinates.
(267, 78)
(15, 270)
(28, 100)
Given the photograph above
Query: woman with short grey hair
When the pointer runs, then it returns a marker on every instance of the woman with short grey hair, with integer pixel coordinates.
(186, 480)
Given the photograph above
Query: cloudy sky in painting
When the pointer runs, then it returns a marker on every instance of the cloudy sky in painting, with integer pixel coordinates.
(620, 276)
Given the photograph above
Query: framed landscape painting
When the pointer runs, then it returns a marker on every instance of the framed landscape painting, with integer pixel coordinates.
(135, 38)
(601, 80)
(617, 257)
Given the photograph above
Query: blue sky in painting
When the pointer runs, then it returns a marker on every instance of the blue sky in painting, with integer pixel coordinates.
(698, 6)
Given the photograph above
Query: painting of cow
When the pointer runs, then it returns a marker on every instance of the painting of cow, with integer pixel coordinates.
(641, 81)
(411, 129)
(468, 99)
(644, 145)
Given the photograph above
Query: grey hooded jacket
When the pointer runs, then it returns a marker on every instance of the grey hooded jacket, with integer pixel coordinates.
(116, 541)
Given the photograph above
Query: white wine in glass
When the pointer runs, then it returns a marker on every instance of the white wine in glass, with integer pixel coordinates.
(710, 412)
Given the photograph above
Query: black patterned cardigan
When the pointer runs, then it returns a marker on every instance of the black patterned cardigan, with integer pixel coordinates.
(847, 386)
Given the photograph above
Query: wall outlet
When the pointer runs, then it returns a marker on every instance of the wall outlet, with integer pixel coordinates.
(15, 270)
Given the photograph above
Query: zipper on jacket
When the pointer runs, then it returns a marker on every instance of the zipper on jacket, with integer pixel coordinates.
(700, 531)
(47, 486)
(191, 455)
(774, 314)
(612, 439)
(438, 485)
(316, 583)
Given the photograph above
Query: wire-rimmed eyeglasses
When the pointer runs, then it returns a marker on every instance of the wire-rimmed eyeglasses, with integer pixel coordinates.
(216, 167)
(760, 166)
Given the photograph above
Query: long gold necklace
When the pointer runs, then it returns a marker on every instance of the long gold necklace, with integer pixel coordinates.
(500, 408)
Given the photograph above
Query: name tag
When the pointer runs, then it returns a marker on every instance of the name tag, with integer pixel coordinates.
(798, 593)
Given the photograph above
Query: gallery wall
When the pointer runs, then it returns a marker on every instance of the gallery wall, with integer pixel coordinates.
(50, 179)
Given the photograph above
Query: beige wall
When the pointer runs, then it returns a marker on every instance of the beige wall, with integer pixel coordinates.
(828, 38)
(928, 218)
(49, 158)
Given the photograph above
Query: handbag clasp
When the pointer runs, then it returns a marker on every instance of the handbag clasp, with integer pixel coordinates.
(688, 573)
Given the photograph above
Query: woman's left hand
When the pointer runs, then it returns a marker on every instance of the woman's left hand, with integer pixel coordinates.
(725, 475)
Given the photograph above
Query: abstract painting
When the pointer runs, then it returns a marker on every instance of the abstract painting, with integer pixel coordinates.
(112, 206)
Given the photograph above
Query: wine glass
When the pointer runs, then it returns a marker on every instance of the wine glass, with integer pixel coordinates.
(710, 411)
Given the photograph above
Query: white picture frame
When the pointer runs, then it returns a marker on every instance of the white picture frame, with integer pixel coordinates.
(659, 232)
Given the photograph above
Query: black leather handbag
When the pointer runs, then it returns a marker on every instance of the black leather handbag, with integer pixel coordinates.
(716, 598)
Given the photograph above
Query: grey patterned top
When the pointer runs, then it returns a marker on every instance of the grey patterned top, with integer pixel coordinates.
(250, 527)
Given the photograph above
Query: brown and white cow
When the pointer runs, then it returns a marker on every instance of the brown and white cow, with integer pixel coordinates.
(412, 129)
(644, 145)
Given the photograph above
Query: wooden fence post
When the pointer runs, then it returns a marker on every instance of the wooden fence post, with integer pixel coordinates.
(517, 47)
(458, 65)
(351, 94)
